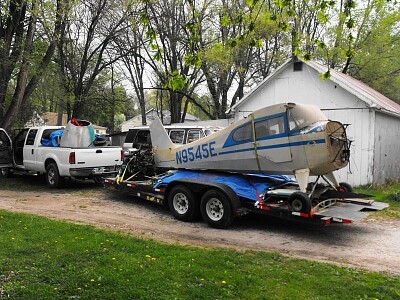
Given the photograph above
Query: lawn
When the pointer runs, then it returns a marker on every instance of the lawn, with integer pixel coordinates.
(45, 259)
(389, 193)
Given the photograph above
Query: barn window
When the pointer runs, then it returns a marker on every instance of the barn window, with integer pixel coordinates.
(298, 66)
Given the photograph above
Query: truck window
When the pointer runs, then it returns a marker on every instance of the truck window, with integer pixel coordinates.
(19, 146)
(130, 136)
(47, 132)
(30, 139)
(143, 137)
(194, 134)
(4, 140)
(177, 136)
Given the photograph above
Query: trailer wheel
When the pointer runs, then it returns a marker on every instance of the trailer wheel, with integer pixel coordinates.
(216, 209)
(345, 187)
(300, 202)
(183, 204)
(53, 178)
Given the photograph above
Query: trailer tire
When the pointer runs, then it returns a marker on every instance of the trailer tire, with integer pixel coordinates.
(216, 209)
(300, 202)
(183, 204)
(345, 187)
(53, 178)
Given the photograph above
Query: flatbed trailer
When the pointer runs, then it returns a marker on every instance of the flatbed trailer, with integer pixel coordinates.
(220, 197)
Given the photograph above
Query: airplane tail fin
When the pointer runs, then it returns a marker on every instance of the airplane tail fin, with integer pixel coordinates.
(159, 137)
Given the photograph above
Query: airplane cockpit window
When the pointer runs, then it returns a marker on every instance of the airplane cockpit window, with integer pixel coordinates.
(242, 133)
(302, 116)
(270, 127)
(177, 136)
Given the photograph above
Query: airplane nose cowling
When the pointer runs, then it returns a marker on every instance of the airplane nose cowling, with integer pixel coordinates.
(338, 144)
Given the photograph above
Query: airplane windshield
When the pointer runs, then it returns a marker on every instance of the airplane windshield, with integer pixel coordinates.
(303, 115)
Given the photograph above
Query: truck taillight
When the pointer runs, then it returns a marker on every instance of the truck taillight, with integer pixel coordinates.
(122, 155)
(72, 158)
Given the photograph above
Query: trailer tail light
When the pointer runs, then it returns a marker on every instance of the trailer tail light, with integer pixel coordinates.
(72, 158)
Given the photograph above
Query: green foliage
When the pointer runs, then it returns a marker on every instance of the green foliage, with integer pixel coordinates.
(43, 259)
(176, 81)
(377, 62)
(388, 193)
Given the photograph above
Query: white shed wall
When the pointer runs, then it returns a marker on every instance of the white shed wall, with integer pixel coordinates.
(338, 104)
(387, 152)
(361, 133)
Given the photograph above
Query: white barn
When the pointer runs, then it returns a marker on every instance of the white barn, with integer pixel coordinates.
(374, 119)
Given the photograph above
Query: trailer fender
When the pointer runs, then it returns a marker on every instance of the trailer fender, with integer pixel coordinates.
(199, 188)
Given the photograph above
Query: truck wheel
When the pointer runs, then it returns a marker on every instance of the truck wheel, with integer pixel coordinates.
(53, 178)
(216, 209)
(6, 172)
(300, 202)
(345, 187)
(183, 204)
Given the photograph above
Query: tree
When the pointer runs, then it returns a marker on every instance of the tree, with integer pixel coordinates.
(131, 46)
(167, 26)
(23, 25)
(377, 61)
(85, 49)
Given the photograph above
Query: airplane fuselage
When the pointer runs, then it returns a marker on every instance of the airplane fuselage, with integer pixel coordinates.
(273, 140)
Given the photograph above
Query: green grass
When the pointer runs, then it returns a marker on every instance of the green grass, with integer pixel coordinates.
(389, 193)
(45, 259)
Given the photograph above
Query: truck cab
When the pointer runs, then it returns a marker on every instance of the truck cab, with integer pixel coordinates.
(179, 134)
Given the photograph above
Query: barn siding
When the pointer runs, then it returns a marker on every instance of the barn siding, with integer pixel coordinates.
(307, 87)
(387, 158)
(361, 132)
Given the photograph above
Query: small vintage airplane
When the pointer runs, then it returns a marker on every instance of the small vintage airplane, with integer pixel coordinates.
(287, 138)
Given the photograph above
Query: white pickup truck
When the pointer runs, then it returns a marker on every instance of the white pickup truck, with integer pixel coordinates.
(26, 153)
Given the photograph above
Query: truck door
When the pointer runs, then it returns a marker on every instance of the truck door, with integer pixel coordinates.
(18, 146)
(5, 149)
(29, 159)
(272, 140)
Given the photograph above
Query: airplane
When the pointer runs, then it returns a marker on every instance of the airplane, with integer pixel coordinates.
(286, 138)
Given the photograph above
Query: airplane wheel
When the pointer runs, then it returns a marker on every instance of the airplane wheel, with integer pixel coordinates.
(53, 178)
(183, 204)
(345, 187)
(300, 202)
(216, 209)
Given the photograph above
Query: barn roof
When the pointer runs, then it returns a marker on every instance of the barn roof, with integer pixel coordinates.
(371, 97)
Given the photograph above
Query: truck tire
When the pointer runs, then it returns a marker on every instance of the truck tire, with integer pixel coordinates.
(53, 178)
(300, 202)
(183, 204)
(216, 209)
(6, 172)
(345, 187)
